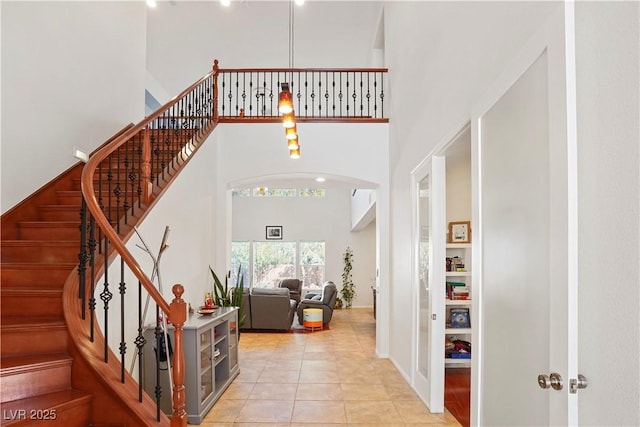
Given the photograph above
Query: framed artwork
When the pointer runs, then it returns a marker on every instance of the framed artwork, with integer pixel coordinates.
(460, 232)
(274, 232)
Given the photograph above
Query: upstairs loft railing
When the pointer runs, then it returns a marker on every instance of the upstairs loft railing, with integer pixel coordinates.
(123, 180)
(320, 94)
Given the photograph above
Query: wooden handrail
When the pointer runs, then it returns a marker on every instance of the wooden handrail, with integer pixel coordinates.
(176, 311)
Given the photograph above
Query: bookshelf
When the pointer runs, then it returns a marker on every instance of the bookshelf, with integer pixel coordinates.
(458, 305)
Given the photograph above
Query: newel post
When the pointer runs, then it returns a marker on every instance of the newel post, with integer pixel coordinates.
(215, 90)
(146, 167)
(178, 316)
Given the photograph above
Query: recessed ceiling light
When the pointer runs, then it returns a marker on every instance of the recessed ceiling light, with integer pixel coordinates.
(320, 179)
(299, 2)
(225, 2)
(151, 3)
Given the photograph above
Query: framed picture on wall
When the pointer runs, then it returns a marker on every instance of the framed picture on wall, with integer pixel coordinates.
(460, 232)
(274, 232)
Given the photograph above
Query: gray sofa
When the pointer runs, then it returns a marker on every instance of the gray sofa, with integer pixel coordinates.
(268, 308)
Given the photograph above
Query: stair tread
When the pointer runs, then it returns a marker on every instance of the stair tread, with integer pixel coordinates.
(40, 242)
(29, 361)
(33, 289)
(62, 398)
(16, 322)
(38, 265)
(48, 224)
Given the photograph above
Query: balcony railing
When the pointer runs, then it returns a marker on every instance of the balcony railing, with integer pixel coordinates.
(320, 94)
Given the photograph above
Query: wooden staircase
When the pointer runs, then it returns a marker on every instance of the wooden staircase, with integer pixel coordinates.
(39, 250)
(46, 375)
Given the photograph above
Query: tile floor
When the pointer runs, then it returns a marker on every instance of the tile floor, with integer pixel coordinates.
(321, 378)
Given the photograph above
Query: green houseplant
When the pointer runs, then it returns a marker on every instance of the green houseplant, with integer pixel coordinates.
(225, 296)
(348, 290)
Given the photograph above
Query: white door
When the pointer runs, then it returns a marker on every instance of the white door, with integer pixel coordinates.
(527, 233)
(429, 249)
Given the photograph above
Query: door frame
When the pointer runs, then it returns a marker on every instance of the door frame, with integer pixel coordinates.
(432, 391)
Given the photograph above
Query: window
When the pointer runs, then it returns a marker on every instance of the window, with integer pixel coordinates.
(241, 192)
(274, 192)
(273, 261)
(312, 264)
(240, 256)
(312, 192)
(264, 264)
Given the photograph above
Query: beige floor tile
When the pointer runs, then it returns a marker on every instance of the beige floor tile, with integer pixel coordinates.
(318, 355)
(364, 392)
(270, 391)
(319, 365)
(400, 392)
(266, 411)
(374, 411)
(318, 377)
(279, 364)
(237, 391)
(225, 411)
(318, 412)
(414, 412)
(279, 376)
(248, 375)
(319, 392)
(358, 377)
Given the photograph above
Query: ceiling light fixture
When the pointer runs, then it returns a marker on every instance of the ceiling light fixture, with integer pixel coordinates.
(291, 133)
(288, 121)
(285, 97)
(293, 144)
(225, 3)
(320, 179)
(295, 153)
(151, 3)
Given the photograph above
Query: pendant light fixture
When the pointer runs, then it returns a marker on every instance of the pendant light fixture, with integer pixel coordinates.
(285, 98)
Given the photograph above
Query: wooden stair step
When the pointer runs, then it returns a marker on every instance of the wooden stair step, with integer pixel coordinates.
(48, 251)
(31, 375)
(59, 212)
(29, 335)
(49, 230)
(13, 301)
(60, 409)
(69, 197)
(16, 274)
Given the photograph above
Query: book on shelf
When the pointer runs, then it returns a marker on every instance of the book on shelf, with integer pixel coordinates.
(457, 291)
(459, 317)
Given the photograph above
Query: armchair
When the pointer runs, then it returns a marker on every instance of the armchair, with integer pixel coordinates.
(294, 286)
(324, 301)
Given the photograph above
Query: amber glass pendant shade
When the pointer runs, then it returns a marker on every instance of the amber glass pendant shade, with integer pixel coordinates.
(293, 144)
(291, 133)
(295, 153)
(288, 120)
(285, 99)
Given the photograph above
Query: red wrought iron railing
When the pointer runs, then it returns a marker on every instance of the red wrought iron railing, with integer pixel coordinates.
(123, 180)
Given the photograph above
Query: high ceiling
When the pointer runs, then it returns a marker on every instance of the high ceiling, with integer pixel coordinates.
(184, 37)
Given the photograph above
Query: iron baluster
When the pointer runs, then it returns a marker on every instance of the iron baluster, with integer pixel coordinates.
(106, 296)
(82, 256)
(140, 342)
(123, 344)
(92, 252)
(158, 388)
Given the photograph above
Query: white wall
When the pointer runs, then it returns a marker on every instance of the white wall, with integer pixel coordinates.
(448, 72)
(314, 219)
(72, 75)
(607, 50)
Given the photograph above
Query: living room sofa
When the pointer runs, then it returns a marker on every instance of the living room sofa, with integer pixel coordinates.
(267, 308)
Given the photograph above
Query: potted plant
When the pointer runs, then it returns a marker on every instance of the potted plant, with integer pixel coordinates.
(348, 290)
(224, 296)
